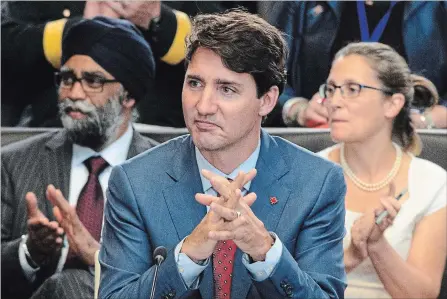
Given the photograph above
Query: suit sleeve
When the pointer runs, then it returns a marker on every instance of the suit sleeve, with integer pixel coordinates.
(168, 41)
(124, 235)
(27, 45)
(315, 269)
(30, 55)
(14, 284)
(168, 38)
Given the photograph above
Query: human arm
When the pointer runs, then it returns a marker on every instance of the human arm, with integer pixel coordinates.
(353, 257)
(304, 113)
(419, 276)
(435, 117)
(166, 34)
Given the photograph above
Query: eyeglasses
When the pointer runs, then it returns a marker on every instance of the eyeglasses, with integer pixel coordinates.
(89, 82)
(348, 90)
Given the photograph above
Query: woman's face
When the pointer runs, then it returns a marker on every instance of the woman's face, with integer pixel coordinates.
(355, 117)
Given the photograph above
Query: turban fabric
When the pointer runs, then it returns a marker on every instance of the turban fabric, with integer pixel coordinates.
(118, 47)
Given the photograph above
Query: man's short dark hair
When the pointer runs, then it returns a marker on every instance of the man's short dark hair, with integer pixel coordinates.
(246, 44)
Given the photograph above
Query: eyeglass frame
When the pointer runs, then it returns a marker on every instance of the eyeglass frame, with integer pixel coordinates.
(321, 90)
(102, 81)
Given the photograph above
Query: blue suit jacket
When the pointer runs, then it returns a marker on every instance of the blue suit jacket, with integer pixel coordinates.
(150, 202)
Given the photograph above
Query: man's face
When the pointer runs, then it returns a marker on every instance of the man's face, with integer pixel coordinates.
(90, 111)
(220, 107)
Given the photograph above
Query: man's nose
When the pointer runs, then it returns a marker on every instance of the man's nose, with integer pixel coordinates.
(207, 104)
(76, 92)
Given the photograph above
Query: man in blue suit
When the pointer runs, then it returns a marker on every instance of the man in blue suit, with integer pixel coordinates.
(277, 235)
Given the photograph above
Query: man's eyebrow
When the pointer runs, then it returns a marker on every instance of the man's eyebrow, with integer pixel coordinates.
(94, 74)
(227, 82)
(195, 77)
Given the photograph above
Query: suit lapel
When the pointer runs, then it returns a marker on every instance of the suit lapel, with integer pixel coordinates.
(267, 184)
(186, 213)
(58, 162)
(271, 168)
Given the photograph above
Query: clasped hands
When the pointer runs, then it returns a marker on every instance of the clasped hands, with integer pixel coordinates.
(229, 218)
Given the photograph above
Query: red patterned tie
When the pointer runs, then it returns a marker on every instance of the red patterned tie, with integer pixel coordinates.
(90, 204)
(223, 259)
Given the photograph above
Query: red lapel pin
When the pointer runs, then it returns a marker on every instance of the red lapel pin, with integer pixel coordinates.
(273, 200)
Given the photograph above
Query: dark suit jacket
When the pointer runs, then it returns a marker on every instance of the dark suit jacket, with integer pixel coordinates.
(148, 209)
(31, 165)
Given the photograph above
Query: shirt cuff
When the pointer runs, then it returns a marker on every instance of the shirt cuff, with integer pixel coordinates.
(262, 270)
(30, 272)
(189, 270)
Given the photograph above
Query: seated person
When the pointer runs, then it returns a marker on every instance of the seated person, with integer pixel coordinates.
(107, 67)
(368, 96)
(281, 236)
(316, 30)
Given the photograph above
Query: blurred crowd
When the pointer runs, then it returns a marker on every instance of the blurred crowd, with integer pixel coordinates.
(315, 31)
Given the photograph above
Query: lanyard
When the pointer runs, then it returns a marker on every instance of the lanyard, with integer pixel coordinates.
(363, 22)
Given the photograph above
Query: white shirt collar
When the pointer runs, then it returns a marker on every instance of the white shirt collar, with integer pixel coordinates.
(116, 153)
(246, 166)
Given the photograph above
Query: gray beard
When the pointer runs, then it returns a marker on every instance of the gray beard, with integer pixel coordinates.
(100, 125)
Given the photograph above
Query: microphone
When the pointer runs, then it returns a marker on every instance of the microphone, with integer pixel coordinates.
(159, 256)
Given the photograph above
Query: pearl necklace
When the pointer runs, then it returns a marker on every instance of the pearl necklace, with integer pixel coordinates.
(371, 187)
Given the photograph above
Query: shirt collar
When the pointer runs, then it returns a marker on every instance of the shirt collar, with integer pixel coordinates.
(116, 153)
(246, 166)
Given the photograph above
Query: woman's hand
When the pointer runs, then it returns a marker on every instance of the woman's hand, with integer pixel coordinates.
(365, 231)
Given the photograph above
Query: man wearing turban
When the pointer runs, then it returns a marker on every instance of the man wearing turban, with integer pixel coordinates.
(52, 186)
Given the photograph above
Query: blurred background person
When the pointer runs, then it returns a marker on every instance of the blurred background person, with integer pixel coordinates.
(316, 30)
(31, 48)
(425, 101)
(99, 83)
(368, 95)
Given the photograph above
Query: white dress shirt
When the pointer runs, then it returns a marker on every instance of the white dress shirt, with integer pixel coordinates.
(116, 153)
(259, 271)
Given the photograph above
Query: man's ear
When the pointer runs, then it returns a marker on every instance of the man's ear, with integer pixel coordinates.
(268, 101)
(394, 105)
(128, 101)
